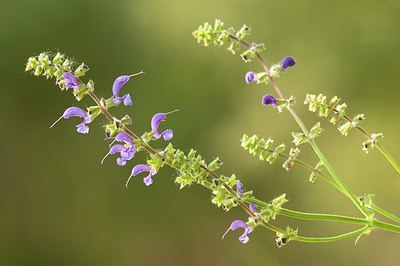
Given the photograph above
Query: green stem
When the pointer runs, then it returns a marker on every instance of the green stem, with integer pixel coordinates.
(388, 157)
(385, 213)
(331, 238)
(320, 216)
(330, 169)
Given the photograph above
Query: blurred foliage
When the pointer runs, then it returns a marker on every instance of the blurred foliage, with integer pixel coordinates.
(58, 206)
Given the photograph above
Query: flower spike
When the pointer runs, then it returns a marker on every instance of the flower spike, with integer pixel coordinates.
(140, 168)
(76, 111)
(155, 122)
(118, 83)
(240, 224)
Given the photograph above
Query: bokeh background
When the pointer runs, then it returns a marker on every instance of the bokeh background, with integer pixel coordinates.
(59, 206)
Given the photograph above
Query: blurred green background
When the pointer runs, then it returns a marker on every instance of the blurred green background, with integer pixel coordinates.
(58, 206)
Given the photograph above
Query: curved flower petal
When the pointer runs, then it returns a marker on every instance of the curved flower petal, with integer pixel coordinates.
(117, 148)
(155, 122)
(288, 61)
(117, 85)
(140, 168)
(122, 136)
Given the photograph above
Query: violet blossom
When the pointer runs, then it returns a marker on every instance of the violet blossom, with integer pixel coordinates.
(269, 100)
(71, 82)
(118, 83)
(240, 224)
(155, 122)
(76, 111)
(140, 168)
(288, 61)
(250, 77)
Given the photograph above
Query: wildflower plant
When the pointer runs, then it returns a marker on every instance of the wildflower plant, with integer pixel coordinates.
(229, 191)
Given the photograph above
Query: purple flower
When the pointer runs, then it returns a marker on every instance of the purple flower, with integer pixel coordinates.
(71, 82)
(155, 122)
(253, 207)
(250, 77)
(269, 100)
(118, 83)
(140, 168)
(126, 151)
(239, 188)
(288, 61)
(240, 224)
(76, 111)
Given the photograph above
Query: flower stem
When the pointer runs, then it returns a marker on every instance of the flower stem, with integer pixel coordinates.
(323, 217)
(331, 238)
(385, 213)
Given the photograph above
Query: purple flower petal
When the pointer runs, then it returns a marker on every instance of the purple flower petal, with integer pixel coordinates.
(239, 188)
(71, 82)
(82, 128)
(121, 161)
(250, 77)
(117, 85)
(288, 61)
(148, 180)
(140, 168)
(269, 100)
(155, 122)
(167, 134)
(117, 148)
(74, 111)
(122, 136)
(240, 224)
(253, 207)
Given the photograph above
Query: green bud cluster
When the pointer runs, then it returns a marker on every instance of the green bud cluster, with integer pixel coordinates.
(48, 65)
(208, 34)
(217, 35)
(262, 148)
(54, 66)
(324, 108)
